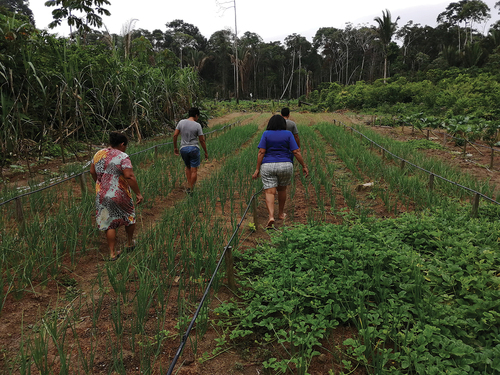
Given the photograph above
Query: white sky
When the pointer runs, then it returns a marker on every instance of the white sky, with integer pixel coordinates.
(273, 20)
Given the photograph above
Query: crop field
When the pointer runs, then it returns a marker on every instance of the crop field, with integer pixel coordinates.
(375, 270)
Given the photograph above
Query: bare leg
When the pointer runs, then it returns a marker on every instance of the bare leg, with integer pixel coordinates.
(191, 176)
(281, 201)
(111, 237)
(188, 176)
(270, 205)
(130, 235)
(194, 176)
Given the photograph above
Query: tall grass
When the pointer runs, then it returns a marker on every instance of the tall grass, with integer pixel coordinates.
(61, 93)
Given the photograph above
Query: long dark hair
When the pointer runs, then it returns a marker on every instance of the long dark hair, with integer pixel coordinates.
(277, 122)
(116, 139)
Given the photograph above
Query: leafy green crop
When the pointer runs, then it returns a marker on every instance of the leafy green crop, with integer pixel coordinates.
(422, 290)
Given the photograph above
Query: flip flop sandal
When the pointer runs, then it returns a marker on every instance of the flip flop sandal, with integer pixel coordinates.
(115, 258)
(128, 249)
(270, 224)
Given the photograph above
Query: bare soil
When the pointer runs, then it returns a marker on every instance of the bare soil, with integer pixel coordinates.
(25, 314)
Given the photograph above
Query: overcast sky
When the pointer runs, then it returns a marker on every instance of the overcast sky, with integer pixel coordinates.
(273, 20)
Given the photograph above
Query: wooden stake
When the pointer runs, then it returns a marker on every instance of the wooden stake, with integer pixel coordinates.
(20, 216)
(254, 209)
(492, 156)
(475, 205)
(431, 182)
(230, 268)
(83, 185)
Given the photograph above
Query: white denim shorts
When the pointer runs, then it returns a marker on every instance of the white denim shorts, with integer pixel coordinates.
(276, 174)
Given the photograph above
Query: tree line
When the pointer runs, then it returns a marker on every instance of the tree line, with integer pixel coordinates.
(295, 66)
(57, 89)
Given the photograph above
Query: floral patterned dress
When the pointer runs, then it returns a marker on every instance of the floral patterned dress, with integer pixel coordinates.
(114, 204)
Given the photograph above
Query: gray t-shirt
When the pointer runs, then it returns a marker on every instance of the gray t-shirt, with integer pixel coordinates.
(292, 126)
(190, 131)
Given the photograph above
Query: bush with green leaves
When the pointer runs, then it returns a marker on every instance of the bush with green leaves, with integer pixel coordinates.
(453, 93)
(422, 290)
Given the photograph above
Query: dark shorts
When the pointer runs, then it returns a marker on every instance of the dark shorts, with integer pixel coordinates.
(191, 156)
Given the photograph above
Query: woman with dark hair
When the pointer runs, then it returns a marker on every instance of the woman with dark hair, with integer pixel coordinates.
(111, 169)
(277, 148)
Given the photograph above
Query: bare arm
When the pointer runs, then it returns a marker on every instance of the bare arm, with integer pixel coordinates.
(260, 157)
(299, 158)
(129, 175)
(203, 145)
(93, 173)
(176, 135)
(297, 139)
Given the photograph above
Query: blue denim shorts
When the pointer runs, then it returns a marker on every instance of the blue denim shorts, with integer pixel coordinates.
(191, 156)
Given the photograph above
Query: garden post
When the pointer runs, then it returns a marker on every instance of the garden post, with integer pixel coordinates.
(475, 205)
(83, 185)
(444, 139)
(254, 209)
(492, 156)
(402, 163)
(156, 152)
(428, 134)
(431, 181)
(20, 216)
(230, 268)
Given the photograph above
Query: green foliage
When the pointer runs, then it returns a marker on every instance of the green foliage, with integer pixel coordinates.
(422, 290)
(54, 91)
(92, 10)
(423, 144)
(449, 92)
(263, 106)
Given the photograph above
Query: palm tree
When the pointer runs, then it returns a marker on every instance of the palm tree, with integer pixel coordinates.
(386, 30)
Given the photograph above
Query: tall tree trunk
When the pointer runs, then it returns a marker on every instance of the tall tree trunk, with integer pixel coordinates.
(385, 69)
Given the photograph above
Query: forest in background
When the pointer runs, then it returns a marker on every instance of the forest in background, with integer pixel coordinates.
(59, 93)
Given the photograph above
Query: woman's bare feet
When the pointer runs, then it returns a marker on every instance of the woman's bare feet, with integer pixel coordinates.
(270, 223)
(282, 217)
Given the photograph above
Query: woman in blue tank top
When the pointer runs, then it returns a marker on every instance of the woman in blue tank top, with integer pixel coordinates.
(277, 148)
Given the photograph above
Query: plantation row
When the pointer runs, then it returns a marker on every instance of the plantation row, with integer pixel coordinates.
(420, 291)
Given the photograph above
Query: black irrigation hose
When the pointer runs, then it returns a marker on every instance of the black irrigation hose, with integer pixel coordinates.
(81, 173)
(207, 290)
(420, 168)
(44, 188)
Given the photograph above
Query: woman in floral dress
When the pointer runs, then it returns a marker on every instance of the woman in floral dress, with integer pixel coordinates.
(112, 171)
